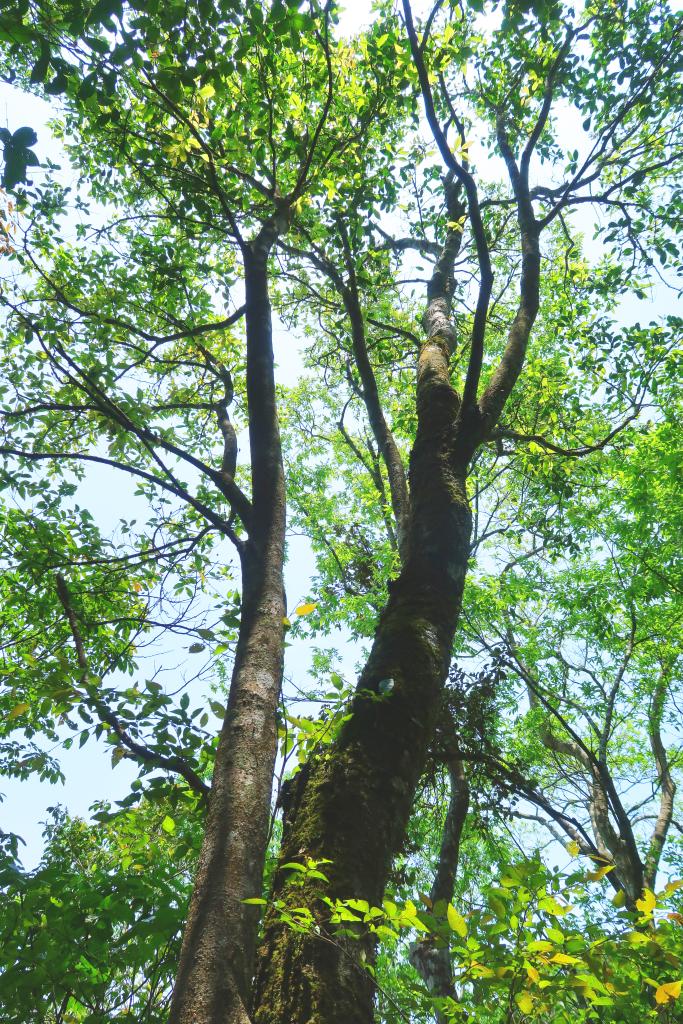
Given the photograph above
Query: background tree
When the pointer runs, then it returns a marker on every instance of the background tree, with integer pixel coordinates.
(94, 932)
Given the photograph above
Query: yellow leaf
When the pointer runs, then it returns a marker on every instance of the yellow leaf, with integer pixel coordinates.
(647, 903)
(551, 906)
(456, 921)
(595, 876)
(18, 709)
(533, 974)
(286, 622)
(637, 938)
(564, 958)
(673, 886)
(671, 990)
(573, 848)
(619, 899)
(524, 1002)
(207, 91)
(306, 609)
(539, 946)
(481, 971)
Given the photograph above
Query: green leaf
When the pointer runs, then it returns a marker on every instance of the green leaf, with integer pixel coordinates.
(104, 9)
(24, 138)
(40, 68)
(57, 85)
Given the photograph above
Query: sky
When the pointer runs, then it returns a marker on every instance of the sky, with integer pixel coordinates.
(88, 771)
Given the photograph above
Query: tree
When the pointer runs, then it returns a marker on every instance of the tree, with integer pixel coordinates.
(594, 643)
(228, 136)
(122, 888)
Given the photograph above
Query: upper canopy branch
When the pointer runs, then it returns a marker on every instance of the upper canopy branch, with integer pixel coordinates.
(112, 410)
(508, 370)
(348, 290)
(423, 245)
(302, 178)
(550, 446)
(474, 210)
(139, 332)
(221, 524)
(597, 158)
(544, 112)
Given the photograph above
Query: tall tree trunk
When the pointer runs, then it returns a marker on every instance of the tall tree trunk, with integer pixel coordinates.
(353, 804)
(217, 958)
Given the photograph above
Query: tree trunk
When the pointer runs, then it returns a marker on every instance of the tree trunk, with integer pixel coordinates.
(433, 963)
(353, 803)
(217, 958)
(666, 782)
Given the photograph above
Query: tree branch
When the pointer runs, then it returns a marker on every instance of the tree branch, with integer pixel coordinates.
(542, 442)
(666, 782)
(474, 209)
(176, 764)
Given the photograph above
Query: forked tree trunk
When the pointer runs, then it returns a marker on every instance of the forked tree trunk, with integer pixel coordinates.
(354, 803)
(217, 958)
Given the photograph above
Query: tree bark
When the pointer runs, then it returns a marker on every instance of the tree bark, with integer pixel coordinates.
(433, 963)
(666, 782)
(353, 804)
(218, 953)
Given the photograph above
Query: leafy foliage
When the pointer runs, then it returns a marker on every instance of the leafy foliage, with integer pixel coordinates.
(196, 134)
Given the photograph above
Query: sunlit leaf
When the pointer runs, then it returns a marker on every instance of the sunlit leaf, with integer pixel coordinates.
(456, 921)
(669, 991)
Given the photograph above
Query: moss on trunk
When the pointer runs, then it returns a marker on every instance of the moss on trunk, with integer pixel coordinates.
(357, 798)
